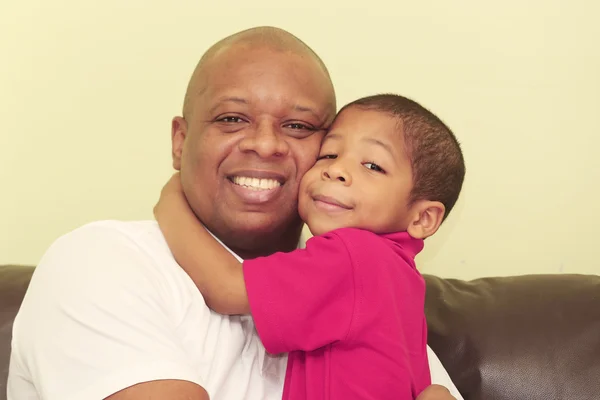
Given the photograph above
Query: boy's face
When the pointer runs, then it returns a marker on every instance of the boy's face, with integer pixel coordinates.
(362, 178)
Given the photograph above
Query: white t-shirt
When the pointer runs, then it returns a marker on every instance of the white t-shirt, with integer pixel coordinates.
(108, 307)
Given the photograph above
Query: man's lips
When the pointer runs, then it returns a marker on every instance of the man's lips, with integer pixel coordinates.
(256, 187)
(258, 174)
(330, 203)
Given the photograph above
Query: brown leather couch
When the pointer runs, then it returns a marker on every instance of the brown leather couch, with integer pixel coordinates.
(519, 338)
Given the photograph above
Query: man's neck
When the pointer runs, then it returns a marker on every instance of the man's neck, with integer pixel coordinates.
(253, 245)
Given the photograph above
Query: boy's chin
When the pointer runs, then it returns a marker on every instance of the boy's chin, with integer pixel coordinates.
(319, 228)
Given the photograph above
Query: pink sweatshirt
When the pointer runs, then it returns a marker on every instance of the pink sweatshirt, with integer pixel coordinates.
(350, 311)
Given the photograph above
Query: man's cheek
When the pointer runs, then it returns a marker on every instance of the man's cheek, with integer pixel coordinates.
(308, 157)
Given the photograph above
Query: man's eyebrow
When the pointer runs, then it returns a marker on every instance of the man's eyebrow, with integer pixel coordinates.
(228, 99)
(308, 110)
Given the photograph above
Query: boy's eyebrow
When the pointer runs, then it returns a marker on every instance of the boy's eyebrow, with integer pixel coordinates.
(377, 142)
(380, 143)
(335, 136)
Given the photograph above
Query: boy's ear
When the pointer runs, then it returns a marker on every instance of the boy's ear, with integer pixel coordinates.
(426, 218)
(178, 134)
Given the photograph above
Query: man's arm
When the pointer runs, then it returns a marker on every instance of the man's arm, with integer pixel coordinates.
(435, 392)
(94, 324)
(167, 390)
(439, 375)
(181, 390)
(216, 273)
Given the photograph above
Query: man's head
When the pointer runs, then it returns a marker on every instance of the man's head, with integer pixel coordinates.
(255, 111)
(386, 165)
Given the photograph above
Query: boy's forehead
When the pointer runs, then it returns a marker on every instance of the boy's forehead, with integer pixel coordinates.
(362, 129)
(357, 121)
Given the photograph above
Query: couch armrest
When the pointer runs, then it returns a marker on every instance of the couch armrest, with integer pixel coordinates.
(534, 337)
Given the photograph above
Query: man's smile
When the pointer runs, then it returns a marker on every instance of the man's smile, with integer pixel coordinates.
(255, 183)
(256, 187)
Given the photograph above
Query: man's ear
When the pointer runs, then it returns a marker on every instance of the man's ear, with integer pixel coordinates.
(178, 135)
(426, 218)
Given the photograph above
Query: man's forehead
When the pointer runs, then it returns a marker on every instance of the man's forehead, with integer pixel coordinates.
(253, 82)
(245, 50)
(242, 58)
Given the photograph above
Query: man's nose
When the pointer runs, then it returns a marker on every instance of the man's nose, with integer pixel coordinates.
(336, 171)
(265, 139)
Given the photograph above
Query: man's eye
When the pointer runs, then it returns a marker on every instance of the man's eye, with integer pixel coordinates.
(230, 119)
(373, 166)
(299, 126)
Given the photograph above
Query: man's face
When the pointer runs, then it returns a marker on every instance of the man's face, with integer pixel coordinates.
(252, 133)
(362, 178)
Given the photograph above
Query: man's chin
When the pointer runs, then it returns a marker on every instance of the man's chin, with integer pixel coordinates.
(260, 224)
(262, 233)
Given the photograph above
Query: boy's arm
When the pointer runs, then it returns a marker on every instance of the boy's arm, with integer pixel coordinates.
(305, 299)
(216, 273)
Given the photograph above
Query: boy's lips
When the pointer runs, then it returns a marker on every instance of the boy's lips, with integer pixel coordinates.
(329, 203)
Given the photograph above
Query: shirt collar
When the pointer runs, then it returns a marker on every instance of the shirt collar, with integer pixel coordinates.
(408, 243)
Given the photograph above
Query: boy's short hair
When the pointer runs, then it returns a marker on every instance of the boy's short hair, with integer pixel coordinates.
(438, 166)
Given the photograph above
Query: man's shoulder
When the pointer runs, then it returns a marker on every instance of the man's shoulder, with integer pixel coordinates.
(100, 261)
(134, 230)
(112, 235)
(110, 249)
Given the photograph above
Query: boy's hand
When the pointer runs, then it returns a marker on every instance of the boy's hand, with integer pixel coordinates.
(173, 186)
(435, 392)
(171, 191)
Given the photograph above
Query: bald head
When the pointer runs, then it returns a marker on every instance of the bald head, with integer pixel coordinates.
(270, 38)
(258, 104)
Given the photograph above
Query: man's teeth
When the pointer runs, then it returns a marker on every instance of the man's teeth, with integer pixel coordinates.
(256, 183)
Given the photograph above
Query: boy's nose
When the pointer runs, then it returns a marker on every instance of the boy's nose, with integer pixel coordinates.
(337, 172)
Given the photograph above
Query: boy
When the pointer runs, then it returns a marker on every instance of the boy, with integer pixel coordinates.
(349, 307)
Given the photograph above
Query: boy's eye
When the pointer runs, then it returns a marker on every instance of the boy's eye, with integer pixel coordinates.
(373, 166)
(327, 157)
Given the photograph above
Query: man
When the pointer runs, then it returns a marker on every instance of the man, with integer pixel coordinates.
(110, 314)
